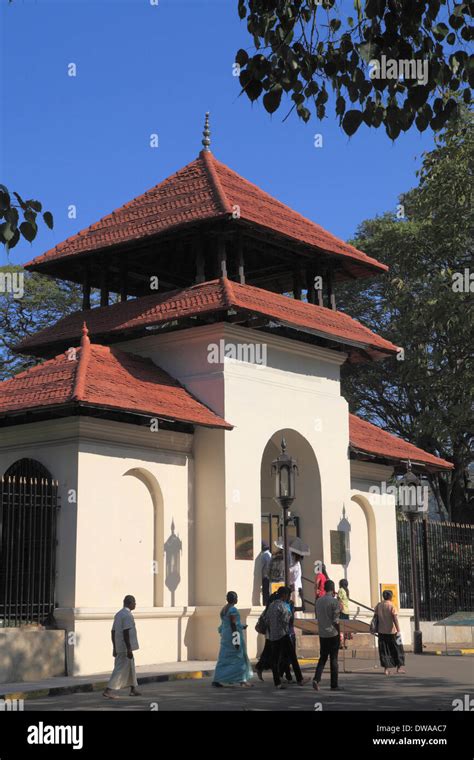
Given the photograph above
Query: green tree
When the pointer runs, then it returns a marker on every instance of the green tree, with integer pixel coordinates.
(306, 48)
(425, 305)
(42, 302)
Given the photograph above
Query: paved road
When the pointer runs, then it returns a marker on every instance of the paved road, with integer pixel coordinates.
(431, 683)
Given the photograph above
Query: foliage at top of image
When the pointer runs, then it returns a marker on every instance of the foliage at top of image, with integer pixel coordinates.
(306, 48)
(11, 228)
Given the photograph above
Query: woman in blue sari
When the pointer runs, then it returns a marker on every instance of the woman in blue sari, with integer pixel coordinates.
(233, 665)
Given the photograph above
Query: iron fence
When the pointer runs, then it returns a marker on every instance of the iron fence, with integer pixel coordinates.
(444, 553)
(28, 516)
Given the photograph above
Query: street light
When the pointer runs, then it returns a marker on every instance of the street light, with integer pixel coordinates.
(285, 468)
(410, 482)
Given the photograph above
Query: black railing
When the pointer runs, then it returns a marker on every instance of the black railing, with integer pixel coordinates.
(28, 512)
(444, 558)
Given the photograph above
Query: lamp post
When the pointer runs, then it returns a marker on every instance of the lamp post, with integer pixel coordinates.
(411, 483)
(285, 468)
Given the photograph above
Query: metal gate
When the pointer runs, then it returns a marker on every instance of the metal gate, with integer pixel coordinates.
(444, 554)
(28, 516)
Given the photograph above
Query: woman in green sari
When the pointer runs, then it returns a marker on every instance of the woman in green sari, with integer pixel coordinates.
(233, 666)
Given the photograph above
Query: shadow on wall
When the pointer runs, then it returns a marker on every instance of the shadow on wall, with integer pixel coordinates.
(257, 581)
(31, 654)
(344, 527)
(173, 547)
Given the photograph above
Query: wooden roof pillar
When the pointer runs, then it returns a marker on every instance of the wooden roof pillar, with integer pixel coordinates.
(297, 284)
(104, 282)
(199, 259)
(123, 279)
(221, 256)
(330, 288)
(240, 257)
(86, 287)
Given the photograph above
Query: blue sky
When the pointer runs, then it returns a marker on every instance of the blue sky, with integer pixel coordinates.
(144, 69)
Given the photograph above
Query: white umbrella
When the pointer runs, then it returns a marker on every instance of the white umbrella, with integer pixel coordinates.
(297, 546)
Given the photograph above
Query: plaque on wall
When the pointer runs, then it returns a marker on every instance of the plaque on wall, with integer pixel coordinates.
(243, 540)
(393, 587)
(338, 547)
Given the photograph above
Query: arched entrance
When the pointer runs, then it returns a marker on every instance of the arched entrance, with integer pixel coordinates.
(142, 538)
(306, 511)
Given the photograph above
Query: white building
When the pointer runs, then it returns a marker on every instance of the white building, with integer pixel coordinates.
(161, 423)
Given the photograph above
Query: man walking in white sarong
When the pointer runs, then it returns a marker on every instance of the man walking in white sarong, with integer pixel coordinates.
(124, 642)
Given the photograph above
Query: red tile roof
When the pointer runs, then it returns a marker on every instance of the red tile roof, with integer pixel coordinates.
(99, 376)
(371, 439)
(203, 190)
(213, 296)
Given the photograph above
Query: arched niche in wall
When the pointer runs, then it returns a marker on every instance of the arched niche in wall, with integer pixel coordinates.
(151, 557)
(368, 511)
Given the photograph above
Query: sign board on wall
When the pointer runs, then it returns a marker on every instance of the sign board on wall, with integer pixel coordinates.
(338, 547)
(393, 587)
(243, 540)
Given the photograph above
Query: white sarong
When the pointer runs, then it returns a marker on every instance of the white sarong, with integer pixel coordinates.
(123, 673)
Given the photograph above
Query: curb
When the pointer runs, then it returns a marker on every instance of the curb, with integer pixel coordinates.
(87, 688)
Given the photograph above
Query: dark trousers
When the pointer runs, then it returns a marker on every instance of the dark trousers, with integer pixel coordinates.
(265, 591)
(329, 647)
(283, 649)
(391, 654)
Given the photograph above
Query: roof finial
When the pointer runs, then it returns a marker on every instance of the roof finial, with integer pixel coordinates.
(206, 134)
(85, 341)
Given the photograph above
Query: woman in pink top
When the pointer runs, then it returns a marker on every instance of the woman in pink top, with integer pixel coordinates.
(390, 643)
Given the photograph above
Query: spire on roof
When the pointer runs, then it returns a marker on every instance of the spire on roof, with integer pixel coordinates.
(85, 341)
(206, 134)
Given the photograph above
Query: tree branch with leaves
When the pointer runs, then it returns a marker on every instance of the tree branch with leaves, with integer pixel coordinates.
(306, 48)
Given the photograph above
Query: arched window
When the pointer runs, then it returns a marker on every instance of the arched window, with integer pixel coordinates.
(28, 511)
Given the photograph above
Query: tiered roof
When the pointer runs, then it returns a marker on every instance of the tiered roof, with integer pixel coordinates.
(206, 190)
(366, 438)
(129, 318)
(95, 377)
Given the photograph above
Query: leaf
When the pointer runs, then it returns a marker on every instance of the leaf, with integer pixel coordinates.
(48, 219)
(272, 99)
(371, 8)
(456, 22)
(20, 201)
(340, 105)
(30, 216)
(12, 243)
(7, 232)
(11, 215)
(367, 51)
(4, 199)
(440, 31)
(303, 113)
(351, 122)
(28, 231)
(35, 205)
(241, 57)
